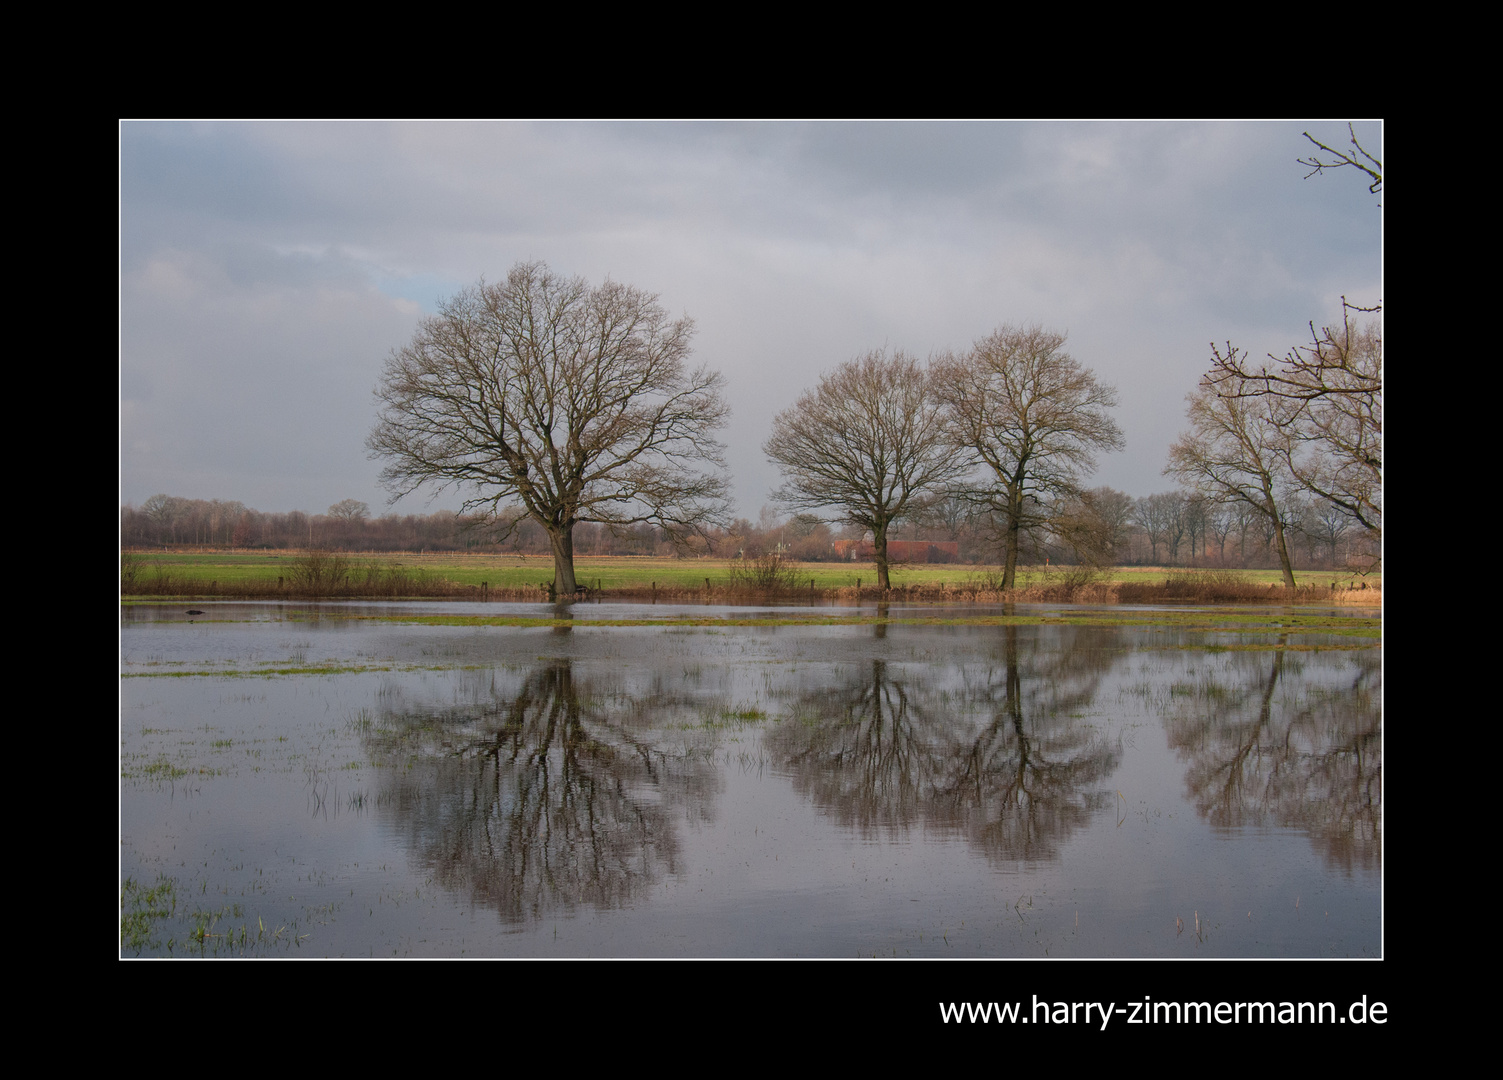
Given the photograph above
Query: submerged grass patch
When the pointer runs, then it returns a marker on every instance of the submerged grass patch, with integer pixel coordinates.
(141, 910)
(162, 769)
(1275, 646)
(1231, 621)
(735, 716)
(280, 672)
(248, 673)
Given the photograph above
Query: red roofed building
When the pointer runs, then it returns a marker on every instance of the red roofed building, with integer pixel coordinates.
(901, 551)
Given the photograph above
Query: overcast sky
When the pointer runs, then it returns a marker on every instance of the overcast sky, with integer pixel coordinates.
(267, 270)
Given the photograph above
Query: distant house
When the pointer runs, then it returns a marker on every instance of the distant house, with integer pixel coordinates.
(851, 550)
(901, 551)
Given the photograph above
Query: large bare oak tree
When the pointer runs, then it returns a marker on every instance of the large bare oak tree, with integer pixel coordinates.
(868, 441)
(573, 400)
(1034, 418)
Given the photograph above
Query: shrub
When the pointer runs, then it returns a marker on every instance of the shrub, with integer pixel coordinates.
(767, 573)
(317, 572)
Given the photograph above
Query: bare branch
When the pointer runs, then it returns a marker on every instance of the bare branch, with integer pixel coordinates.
(1360, 159)
(1325, 401)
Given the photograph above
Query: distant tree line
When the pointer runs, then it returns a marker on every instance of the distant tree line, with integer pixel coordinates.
(1101, 527)
(170, 521)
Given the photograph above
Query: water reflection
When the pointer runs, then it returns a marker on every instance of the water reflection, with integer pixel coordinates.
(546, 788)
(1266, 743)
(811, 790)
(998, 753)
(544, 795)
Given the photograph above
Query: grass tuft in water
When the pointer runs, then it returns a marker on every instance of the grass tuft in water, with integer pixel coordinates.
(141, 908)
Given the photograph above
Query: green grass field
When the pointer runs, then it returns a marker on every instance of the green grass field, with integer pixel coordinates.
(242, 569)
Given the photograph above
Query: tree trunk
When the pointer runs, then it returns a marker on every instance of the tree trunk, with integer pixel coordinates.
(562, 540)
(1010, 560)
(879, 553)
(1278, 536)
(1272, 510)
(1014, 490)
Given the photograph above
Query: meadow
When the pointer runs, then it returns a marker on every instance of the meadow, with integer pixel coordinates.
(189, 574)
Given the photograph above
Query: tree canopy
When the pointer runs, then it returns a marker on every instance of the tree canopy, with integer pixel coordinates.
(867, 441)
(1034, 418)
(573, 400)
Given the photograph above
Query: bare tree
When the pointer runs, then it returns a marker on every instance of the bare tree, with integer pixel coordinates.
(1177, 509)
(950, 510)
(1197, 508)
(867, 441)
(1157, 515)
(1326, 525)
(1332, 388)
(1114, 509)
(573, 400)
(1220, 520)
(1164, 518)
(1325, 399)
(351, 510)
(1246, 519)
(1357, 158)
(160, 510)
(1033, 417)
(1093, 525)
(1231, 453)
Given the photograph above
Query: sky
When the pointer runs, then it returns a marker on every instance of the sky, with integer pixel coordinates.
(268, 270)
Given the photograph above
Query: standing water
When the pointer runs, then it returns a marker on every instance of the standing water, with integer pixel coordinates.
(339, 780)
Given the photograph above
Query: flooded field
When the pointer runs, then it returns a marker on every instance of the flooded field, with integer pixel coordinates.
(311, 781)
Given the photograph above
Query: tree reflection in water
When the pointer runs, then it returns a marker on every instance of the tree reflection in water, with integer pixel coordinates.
(553, 795)
(1003, 757)
(563, 784)
(1263, 748)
